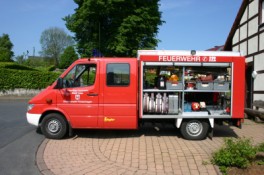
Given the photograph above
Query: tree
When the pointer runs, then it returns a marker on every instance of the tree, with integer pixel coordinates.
(53, 42)
(6, 46)
(115, 27)
(68, 57)
(20, 59)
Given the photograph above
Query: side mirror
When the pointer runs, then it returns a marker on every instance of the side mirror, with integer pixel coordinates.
(59, 83)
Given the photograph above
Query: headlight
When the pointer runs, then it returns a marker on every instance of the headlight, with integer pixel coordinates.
(30, 106)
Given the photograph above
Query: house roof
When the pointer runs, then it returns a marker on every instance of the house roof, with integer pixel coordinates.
(228, 43)
(216, 48)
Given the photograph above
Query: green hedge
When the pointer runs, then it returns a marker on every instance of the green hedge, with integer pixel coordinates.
(28, 79)
(11, 65)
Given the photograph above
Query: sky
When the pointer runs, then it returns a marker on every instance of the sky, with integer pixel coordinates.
(189, 24)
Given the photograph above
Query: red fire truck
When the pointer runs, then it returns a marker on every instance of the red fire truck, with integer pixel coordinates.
(192, 89)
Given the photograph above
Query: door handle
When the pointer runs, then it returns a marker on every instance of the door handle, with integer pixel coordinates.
(92, 94)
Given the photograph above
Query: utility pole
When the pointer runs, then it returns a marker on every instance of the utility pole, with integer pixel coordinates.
(33, 52)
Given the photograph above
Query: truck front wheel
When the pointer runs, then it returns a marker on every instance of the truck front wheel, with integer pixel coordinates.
(194, 129)
(54, 126)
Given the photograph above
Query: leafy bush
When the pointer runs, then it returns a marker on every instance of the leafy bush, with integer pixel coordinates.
(260, 147)
(38, 62)
(28, 79)
(235, 153)
(51, 68)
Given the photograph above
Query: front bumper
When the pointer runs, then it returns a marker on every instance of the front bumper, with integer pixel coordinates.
(33, 119)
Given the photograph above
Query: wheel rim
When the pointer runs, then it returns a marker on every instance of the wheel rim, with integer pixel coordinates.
(54, 126)
(194, 128)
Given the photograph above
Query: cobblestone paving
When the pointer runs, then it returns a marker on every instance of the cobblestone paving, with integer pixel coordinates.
(146, 151)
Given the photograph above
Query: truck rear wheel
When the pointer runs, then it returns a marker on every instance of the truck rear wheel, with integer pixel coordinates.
(194, 129)
(54, 126)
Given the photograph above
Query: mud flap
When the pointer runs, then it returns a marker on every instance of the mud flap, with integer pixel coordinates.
(178, 122)
(211, 133)
(70, 129)
(211, 129)
(239, 123)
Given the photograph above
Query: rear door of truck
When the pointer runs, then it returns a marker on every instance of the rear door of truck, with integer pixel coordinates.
(119, 87)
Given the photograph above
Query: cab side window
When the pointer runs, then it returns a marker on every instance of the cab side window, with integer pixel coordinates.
(118, 74)
(80, 76)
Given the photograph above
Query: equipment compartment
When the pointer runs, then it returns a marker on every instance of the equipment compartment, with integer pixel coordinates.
(174, 85)
(174, 91)
(173, 104)
(221, 85)
(204, 85)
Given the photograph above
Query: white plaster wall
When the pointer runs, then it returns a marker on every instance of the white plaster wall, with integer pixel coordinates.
(236, 37)
(243, 48)
(249, 59)
(253, 26)
(261, 42)
(258, 97)
(259, 82)
(235, 49)
(259, 62)
(20, 92)
(253, 45)
(244, 17)
(243, 32)
(253, 8)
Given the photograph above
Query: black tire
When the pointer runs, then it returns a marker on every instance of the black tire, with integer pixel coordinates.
(54, 126)
(194, 129)
(38, 130)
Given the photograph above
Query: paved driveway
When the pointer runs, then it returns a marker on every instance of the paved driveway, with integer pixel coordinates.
(146, 151)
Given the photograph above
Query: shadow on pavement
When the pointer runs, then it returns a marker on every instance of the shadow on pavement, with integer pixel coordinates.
(224, 131)
(158, 130)
(148, 129)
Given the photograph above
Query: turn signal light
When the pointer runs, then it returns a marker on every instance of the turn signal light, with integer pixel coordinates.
(49, 101)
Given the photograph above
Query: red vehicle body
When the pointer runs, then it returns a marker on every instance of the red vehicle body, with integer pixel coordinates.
(111, 93)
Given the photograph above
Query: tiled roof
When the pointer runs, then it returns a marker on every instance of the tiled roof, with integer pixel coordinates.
(216, 48)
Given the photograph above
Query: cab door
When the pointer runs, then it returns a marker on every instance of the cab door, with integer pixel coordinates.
(79, 97)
